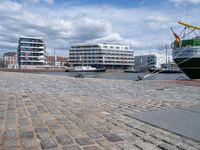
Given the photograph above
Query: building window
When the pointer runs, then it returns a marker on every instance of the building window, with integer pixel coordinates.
(117, 47)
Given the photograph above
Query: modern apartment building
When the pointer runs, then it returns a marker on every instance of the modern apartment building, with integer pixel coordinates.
(144, 62)
(107, 56)
(31, 52)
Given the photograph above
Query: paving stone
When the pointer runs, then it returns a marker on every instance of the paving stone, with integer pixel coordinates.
(113, 137)
(146, 146)
(48, 144)
(24, 122)
(31, 142)
(12, 148)
(184, 146)
(26, 134)
(84, 141)
(104, 143)
(166, 146)
(127, 146)
(41, 130)
(59, 131)
(64, 139)
(11, 142)
(102, 130)
(92, 148)
(10, 134)
(44, 135)
(94, 134)
(72, 147)
(138, 133)
(32, 148)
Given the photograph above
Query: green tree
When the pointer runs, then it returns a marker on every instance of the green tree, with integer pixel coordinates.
(2, 63)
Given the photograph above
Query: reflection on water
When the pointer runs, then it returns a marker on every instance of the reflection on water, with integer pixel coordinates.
(120, 75)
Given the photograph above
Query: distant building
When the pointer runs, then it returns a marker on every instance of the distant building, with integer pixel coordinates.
(31, 52)
(144, 62)
(10, 59)
(108, 56)
(169, 65)
(57, 61)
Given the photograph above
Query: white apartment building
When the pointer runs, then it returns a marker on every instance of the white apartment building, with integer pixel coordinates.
(108, 56)
(31, 52)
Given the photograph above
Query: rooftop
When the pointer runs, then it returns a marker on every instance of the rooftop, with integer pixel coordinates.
(9, 54)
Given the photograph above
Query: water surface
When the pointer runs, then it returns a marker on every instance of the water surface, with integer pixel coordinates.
(121, 75)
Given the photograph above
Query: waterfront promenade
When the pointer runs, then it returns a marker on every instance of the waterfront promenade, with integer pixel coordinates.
(64, 113)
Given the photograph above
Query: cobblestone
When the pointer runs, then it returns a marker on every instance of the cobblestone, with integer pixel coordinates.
(48, 144)
(11, 142)
(166, 146)
(31, 142)
(10, 134)
(63, 113)
(92, 148)
(113, 137)
(84, 141)
(26, 134)
(73, 147)
(64, 139)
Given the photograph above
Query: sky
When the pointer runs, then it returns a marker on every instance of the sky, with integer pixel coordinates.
(142, 24)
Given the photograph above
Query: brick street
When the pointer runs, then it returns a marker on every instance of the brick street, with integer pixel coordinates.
(65, 113)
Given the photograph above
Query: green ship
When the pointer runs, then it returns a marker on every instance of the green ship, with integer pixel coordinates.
(186, 52)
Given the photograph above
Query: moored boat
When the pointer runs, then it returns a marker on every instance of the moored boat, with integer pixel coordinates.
(131, 71)
(186, 52)
(85, 69)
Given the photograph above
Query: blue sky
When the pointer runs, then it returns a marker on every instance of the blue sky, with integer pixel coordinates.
(118, 3)
(142, 24)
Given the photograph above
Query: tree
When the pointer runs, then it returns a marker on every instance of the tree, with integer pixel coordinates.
(2, 63)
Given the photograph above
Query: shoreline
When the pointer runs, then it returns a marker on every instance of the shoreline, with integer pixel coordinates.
(32, 70)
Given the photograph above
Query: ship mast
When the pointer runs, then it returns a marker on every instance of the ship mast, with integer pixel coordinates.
(166, 61)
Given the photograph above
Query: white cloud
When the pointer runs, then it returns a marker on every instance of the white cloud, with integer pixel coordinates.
(141, 28)
(10, 6)
(38, 1)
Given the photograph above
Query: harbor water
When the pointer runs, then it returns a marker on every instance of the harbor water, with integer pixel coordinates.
(121, 75)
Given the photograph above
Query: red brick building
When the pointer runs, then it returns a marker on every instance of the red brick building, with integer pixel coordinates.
(10, 58)
(58, 60)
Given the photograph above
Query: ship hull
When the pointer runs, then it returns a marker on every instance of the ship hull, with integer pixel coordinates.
(152, 70)
(190, 67)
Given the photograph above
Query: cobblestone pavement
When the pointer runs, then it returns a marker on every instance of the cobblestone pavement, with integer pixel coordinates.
(56, 112)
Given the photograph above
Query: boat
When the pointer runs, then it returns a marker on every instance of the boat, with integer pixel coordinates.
(85, 69)
(166, 68)
(79, 76)
(131, 71)
(160, 70)
(186, 51)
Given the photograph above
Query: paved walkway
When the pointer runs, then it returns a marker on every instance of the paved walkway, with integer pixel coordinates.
(63, 113)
